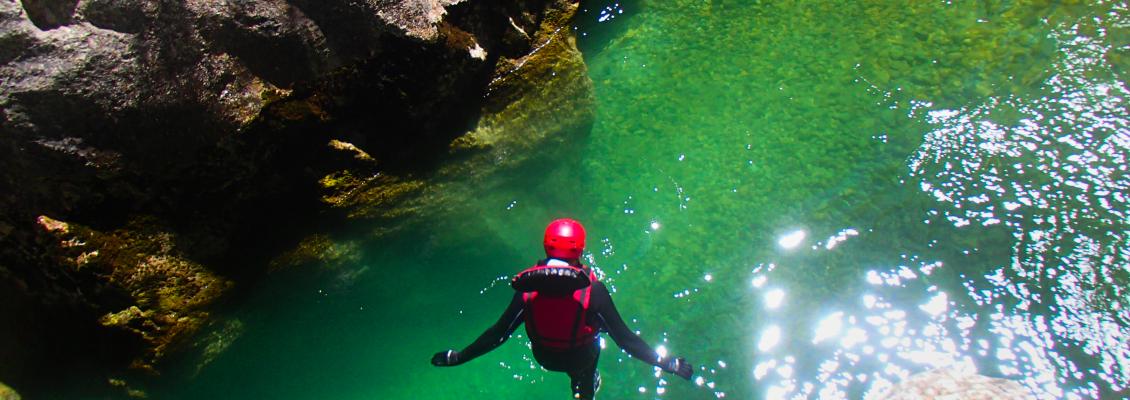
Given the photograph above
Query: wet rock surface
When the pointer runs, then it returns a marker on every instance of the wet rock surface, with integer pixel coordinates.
(156, 154)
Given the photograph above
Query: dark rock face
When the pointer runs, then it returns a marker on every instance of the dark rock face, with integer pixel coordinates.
(49, 14)
(154, 153)
(127, 16)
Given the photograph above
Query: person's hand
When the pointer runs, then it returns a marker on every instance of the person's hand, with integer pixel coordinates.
(446, 358)
(678, 366)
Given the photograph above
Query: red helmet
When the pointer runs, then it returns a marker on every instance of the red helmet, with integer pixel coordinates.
(564, 239)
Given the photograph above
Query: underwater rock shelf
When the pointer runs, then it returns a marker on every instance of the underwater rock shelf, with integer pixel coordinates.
(156, 155)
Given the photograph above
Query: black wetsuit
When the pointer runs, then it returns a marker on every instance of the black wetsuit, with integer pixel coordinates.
(580, 362)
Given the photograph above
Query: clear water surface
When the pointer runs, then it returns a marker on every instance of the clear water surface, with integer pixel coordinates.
(806, 199)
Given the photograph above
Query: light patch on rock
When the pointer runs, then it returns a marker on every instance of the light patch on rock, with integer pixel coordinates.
(417, 18)
(75, 147)
(121, 318)
(53, 225)
(350, 148)
(244, 94)
(82, 58)
(478, 52)
(132, 392)
(518, 28)
(7, 393)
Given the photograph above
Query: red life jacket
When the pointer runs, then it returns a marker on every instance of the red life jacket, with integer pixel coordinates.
(559, 321)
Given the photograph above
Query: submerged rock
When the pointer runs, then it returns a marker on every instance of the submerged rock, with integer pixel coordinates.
(952, 384)
(318, 249)
(216, 339)
(125, 388)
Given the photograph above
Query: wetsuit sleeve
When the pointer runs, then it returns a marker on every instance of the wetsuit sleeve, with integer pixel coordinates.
(615, 326)
(497, 333)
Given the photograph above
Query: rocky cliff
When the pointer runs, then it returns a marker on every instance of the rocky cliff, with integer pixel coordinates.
(154, 153)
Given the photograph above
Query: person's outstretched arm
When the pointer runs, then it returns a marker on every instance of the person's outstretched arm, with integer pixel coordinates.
(630, 341)
(489, 340)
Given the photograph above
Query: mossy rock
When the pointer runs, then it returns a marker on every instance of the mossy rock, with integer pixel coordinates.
(376, 196)
(542, 99)
(7, 393)
(171, 294)
(216, 339)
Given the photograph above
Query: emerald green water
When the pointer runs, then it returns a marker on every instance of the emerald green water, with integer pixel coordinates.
(805, 199)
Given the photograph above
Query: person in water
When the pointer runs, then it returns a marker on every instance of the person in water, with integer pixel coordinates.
(564, 307)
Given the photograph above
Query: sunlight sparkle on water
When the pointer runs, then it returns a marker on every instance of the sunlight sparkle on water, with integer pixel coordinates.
(870, 301)
(791, 240)
(774, 298)
(840, 237)
(829, 327)
(853, 337)
(937, 305)
(762, 369)
(770, 338)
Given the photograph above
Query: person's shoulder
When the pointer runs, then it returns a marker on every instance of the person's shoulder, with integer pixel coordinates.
(600, 289)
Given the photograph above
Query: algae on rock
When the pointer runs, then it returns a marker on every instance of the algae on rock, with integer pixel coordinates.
(170, 293)
(7, 393)
(543, 98)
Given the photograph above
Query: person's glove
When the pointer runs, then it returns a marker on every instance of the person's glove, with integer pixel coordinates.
(677, 366)
(446, 358)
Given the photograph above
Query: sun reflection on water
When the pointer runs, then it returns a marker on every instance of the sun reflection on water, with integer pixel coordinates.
(1050, 179)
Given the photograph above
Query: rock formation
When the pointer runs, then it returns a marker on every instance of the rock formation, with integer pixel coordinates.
(154, 154)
